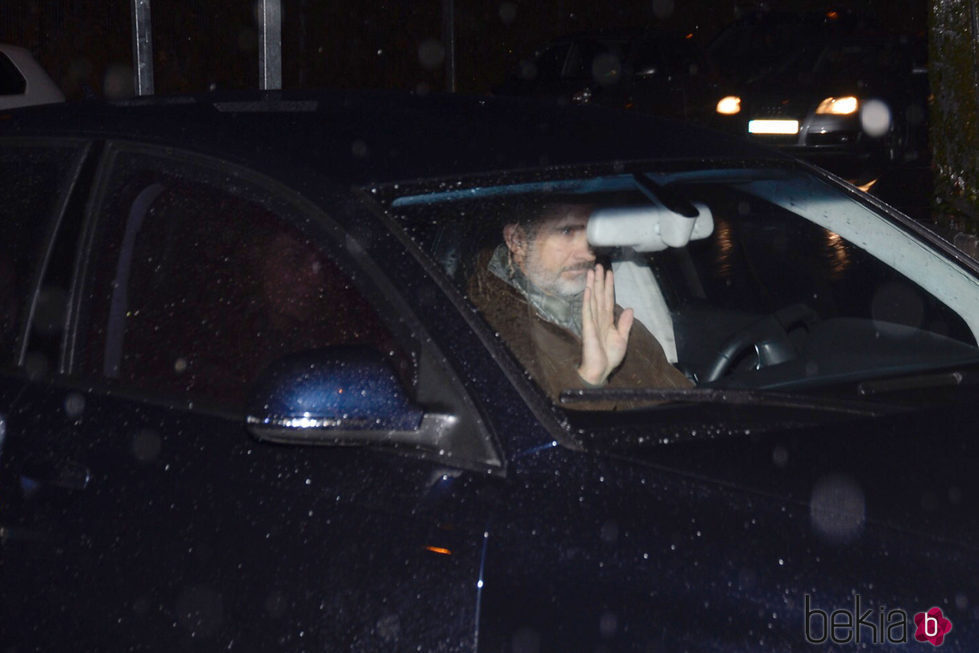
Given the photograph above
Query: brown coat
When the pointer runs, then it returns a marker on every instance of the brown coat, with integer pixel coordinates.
(551, 354)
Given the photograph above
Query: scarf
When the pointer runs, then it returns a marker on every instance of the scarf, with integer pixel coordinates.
(562, 311)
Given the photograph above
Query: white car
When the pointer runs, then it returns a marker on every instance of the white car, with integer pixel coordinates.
(23, 81)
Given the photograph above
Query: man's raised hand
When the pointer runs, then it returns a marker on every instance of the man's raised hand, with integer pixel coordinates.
(603, 342)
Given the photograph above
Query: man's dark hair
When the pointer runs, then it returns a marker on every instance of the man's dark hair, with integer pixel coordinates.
(529, 211)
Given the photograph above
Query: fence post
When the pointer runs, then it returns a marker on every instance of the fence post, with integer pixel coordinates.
(142, 48)
(270, 45)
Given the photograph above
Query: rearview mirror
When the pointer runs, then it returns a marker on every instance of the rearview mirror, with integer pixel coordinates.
(648, 227)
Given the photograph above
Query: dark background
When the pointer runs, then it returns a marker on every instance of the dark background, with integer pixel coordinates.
(201, 45)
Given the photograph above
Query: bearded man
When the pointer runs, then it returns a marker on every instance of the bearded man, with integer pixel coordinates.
(542, 290)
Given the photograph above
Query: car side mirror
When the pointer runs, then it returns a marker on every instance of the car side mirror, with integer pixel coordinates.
(338, 395)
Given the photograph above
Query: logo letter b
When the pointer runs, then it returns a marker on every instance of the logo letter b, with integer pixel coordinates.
(810, 613)
(930, 630)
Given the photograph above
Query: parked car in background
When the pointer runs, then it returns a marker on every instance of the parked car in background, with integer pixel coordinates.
(23, 81)
(248, 403)
(649, 71)
(830, 86)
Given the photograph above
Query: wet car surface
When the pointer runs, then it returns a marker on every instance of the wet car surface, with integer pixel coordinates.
(249, 404)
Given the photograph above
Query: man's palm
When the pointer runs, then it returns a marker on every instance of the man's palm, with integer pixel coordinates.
(603, 342)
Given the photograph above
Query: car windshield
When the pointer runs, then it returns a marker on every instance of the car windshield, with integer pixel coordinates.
(743, 278)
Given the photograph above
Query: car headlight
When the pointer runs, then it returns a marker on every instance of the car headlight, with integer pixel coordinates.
(729, 105)
(839, 106)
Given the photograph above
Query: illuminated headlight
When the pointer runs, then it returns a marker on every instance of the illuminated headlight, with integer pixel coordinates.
(839, 106)
(729, 105)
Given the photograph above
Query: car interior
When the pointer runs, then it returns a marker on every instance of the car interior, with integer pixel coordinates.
(748, 278)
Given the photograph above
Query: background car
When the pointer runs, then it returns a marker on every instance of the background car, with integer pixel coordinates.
(23, 81)
(650, 71)
(831, 87)
(248, 404)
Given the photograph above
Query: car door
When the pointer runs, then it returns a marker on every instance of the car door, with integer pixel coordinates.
(146, 516)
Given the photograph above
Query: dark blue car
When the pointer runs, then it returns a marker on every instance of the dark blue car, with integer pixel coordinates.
(248, 404)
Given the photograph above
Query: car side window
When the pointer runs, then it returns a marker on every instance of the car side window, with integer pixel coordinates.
(35, 179)
(200, 279)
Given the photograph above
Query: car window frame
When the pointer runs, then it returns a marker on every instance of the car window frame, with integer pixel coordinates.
(56, 224)
(331, 237)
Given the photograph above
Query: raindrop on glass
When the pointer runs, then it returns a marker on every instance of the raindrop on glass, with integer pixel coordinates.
(431, 54)
(147, 445)
(780, 456)
(961, 601)
(74, 405)
(606, 69)
(608, 625)
(875, 118)
(359, 149)
(837, 508)
(118, 82)
(610, 531)
(36, 365)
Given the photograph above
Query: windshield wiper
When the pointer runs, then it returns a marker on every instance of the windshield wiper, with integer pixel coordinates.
(725, 396)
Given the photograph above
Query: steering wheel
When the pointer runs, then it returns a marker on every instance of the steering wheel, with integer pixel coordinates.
(769, 337)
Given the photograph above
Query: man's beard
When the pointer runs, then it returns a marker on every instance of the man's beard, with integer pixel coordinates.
(558, 284)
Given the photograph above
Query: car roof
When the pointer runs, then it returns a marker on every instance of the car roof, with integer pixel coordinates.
(359, 137)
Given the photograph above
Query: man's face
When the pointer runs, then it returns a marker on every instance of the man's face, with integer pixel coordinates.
(554, 253)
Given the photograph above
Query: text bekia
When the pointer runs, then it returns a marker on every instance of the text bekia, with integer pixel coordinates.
(856, 625)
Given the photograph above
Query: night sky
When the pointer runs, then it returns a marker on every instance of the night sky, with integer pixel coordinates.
(201, 45)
